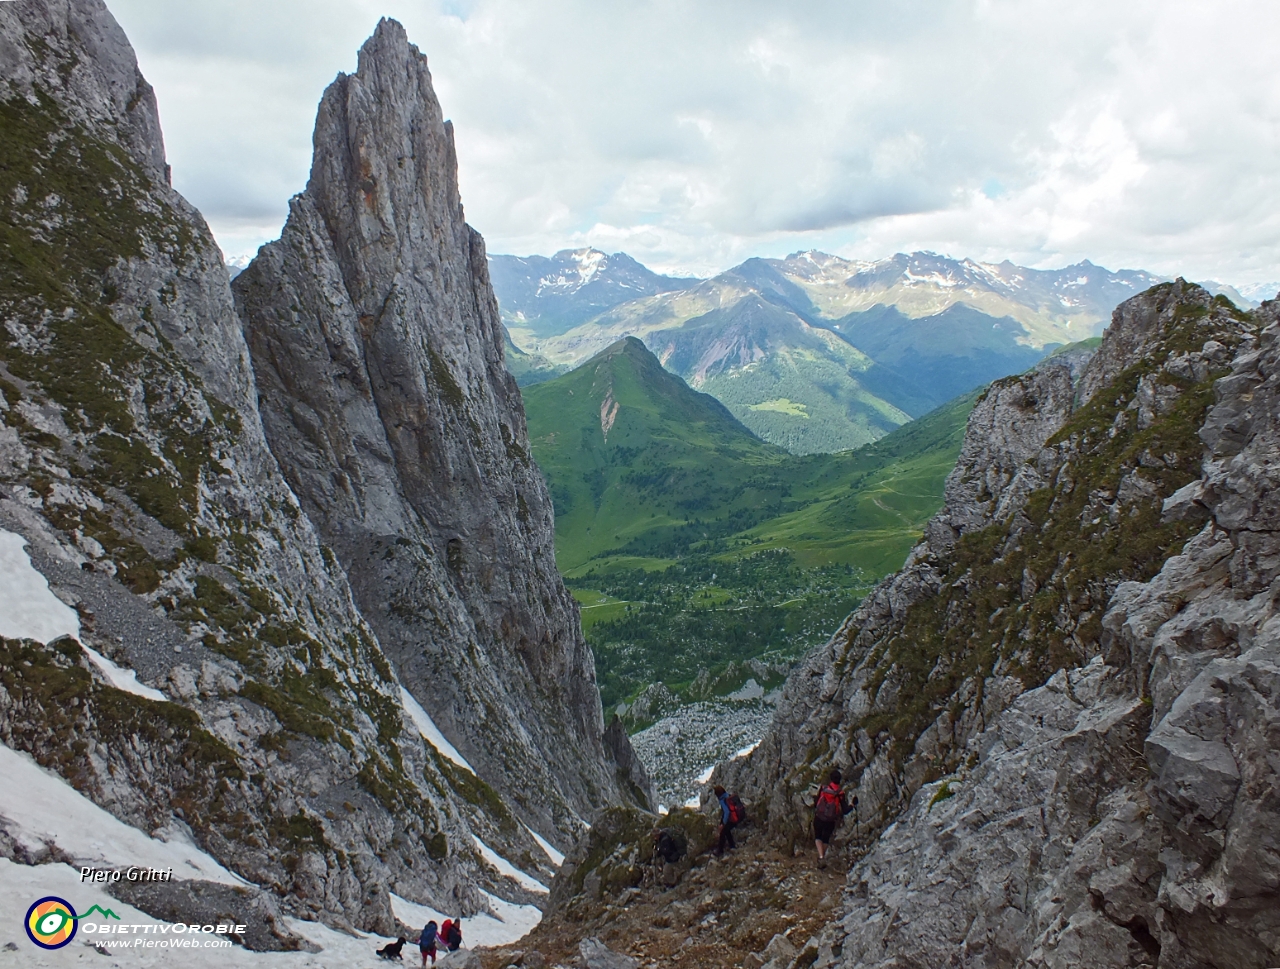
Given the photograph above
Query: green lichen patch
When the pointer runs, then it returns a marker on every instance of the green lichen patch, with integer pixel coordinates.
(445, 380)
(437, 846)
(943, 793)
(299, 702)
(473, 790)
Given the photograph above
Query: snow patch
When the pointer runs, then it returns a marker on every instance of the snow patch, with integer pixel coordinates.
(508, 922)
(745, 751)
(30, 610)
(506, 868)
(590, 262)
(430, 732)
(556, 857)
(706, 774)
(517, 921)
(28, 607)
(121, 678)
(38, 808)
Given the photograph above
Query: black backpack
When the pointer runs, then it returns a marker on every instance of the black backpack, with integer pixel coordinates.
(672, 844)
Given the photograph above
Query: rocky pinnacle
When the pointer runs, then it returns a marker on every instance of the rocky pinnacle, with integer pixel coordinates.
(378, 354)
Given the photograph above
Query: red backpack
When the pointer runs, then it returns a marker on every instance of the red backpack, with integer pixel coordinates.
(829, 806)
(737, 812)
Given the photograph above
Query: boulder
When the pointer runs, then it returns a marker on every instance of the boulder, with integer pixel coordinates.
(596, 955)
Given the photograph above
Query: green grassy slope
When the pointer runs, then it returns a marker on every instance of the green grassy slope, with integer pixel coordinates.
(693, 545)
(631, 453)
(866, 508)
(528, 368)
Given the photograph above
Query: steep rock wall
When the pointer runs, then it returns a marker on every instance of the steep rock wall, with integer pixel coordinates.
(1093, 789)
(134, 463)
(379, 357)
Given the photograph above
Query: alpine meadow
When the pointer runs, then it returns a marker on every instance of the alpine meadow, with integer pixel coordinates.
(693, 546)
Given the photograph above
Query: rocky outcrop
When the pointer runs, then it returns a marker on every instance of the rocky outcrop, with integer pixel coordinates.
(1092, 788)
(378, 353)
(133, 461)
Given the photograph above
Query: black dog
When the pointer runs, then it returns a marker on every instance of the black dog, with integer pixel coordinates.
(392, 949)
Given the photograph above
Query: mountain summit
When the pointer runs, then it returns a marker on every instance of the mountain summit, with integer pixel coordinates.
(632, 451)
(287, 600)
(378, 354)
(543, 296)
(818, 353)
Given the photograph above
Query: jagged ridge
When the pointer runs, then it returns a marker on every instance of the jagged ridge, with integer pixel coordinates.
(378, 354)
(133, 461)
(1075, 487)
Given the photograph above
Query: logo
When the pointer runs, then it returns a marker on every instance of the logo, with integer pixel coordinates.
(52, 921)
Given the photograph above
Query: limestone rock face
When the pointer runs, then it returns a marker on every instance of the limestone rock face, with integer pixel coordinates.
(378, 353)
(134, 463)
(998, 465)
(1103, 793)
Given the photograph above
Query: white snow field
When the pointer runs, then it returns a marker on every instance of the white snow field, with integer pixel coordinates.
(30, 610)
(39, 808)
(121, 678)
(512, 921)
(430, 732)
(508, 869)
(557, 858)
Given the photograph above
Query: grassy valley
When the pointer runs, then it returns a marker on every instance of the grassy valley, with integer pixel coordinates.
(694, 546)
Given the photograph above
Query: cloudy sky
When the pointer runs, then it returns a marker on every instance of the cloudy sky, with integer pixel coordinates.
(695, 133)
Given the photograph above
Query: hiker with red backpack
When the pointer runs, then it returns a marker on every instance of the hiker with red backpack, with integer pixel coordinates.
(451, 934)
(829, 809)
(732, 813)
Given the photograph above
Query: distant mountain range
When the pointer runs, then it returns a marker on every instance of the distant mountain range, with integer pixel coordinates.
(1255, 293)
(814, 353)
(543, 296)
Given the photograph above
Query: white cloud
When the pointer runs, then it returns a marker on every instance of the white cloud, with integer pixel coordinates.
(693, 135)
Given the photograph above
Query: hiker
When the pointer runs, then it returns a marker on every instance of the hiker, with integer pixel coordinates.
(732, 814)
(427, 942)
(669, 846)
(451, 934)
(829, 809)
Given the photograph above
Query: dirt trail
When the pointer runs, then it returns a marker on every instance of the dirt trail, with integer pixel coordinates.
(721, 911)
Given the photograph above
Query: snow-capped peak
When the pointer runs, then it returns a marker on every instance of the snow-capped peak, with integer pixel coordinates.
(579, 267)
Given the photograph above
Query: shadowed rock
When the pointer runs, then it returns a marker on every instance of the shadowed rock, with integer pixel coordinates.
(379, 359)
